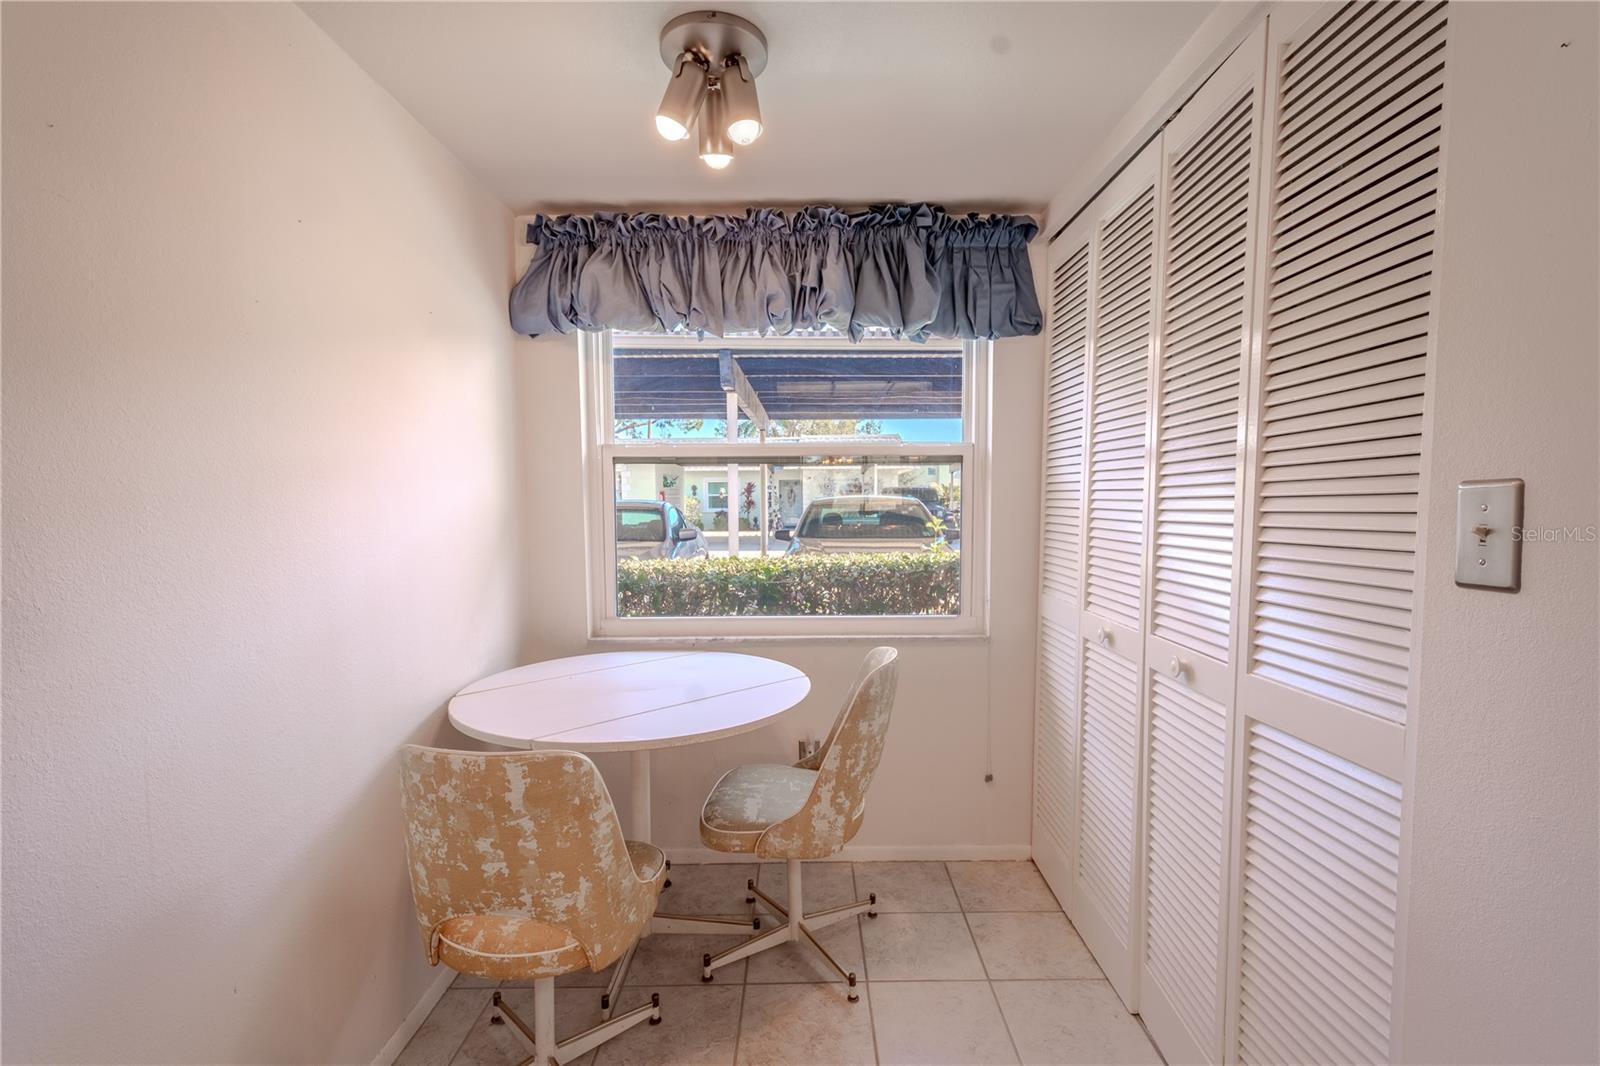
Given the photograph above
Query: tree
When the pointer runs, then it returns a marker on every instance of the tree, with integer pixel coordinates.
(648, 428)
(815, 427)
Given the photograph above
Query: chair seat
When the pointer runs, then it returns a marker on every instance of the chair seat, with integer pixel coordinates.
(648, 860)
(750, 799)
(506, 946)
(512, 946)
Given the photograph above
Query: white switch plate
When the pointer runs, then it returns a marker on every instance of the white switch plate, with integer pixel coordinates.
(1488, 534)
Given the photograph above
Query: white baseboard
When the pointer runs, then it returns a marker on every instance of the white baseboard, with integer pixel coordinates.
(414, 1019)
(876, 853)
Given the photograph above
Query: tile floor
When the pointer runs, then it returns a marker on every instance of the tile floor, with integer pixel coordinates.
(966, 963)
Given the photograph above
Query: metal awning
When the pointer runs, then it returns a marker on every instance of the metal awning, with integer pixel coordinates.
(878, 385)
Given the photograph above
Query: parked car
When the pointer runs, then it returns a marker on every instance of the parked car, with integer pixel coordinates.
(862, 524)
(930, 499)
(650, 529)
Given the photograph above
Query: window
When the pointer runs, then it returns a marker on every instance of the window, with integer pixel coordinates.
(785, 486)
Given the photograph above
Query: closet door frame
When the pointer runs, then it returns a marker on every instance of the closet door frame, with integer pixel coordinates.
(1119, 961)
(1383, 746)
(1243, 73)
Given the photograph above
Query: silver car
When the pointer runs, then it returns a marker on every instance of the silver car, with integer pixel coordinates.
(863, 524)
(649, 529)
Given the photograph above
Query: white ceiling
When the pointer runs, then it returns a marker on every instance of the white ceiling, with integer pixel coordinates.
(965, 104)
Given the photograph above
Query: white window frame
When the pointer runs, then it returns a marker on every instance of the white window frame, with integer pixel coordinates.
(601, 452)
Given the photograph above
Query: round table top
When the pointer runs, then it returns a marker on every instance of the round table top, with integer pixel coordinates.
(627, 700)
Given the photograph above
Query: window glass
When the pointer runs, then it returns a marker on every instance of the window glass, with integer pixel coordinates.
(837, 535)
(636, 524)
(890, 396)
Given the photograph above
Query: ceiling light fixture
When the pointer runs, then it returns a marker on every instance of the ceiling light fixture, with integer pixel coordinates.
(715, 59)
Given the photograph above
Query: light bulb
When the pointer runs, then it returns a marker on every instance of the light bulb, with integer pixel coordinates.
(686, 90)
(742, 110)
(715, 151)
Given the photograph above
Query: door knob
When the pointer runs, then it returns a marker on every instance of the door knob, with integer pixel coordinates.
(1175, 668)
(1102, 636)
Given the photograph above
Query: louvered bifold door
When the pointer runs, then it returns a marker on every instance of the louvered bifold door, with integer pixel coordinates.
(1351, 197)
(1055, 726)
(1122, 333)
(1210, 188)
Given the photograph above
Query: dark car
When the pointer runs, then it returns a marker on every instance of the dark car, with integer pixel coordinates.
(929, 496)
(882, 523)
(649, 529)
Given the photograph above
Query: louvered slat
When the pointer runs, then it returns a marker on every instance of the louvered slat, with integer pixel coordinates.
(1321, 876)
(1183, 901)
(1354, 190)
(1063, 455)
(1124, 292)
(1107, 780)
(1202, 369)
(1055, 738)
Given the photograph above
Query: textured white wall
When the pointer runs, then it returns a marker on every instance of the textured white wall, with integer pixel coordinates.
(257, 462)
(1501, 946)
(963, 704)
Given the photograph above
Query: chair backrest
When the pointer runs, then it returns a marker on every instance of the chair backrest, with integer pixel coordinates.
(848, 760)
(529, 833)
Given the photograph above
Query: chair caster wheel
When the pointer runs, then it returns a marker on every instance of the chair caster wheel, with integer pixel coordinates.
(666, 884)
(705, 969)
(872, 898)
(605, 1001)
(755, 924)
(750, 884)
(852, 996)
(496, 1020)
(655, 1001)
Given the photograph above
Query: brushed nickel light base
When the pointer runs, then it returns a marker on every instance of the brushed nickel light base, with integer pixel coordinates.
(714, 36)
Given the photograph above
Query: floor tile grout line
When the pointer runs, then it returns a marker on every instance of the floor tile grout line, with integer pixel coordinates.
(861, 937)
(738, 1025)
(488, 1005)
(988, 982)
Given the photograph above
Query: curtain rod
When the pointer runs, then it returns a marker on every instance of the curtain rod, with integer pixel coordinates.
(1115, 174)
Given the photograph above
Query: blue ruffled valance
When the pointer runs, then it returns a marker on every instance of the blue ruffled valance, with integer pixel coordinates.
(909, 268)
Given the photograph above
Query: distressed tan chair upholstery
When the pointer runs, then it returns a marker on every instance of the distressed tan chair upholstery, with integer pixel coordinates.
(519, 870)
(805, 811)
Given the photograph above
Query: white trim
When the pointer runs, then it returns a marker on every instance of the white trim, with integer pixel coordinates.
(414, 1018)
(874, 853)
(600, 452)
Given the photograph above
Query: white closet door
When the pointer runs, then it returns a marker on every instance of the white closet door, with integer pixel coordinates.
(1210, 188)
(1055, 728)
(1355, 110)
(1122, 333)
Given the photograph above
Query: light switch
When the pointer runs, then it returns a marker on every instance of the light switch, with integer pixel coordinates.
(1489, 534)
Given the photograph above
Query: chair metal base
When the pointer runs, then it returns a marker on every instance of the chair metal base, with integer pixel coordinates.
(664, 922)
(797, 927)
(546, 1050)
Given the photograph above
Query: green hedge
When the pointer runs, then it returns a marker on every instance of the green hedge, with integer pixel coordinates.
(888, 583)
